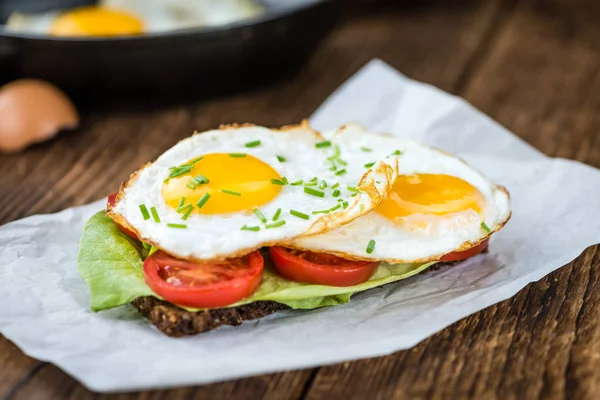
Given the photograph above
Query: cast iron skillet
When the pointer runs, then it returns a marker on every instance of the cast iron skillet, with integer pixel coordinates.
(202, 61)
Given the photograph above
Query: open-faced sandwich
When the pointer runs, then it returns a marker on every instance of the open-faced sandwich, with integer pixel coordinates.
(237, 223)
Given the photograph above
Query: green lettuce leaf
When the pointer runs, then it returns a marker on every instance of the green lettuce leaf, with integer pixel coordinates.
(111, 263)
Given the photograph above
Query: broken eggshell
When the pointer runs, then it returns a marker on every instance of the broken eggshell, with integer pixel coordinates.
(33, 111)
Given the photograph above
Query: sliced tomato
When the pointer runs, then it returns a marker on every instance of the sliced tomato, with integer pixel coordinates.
(111, 202)
(320, 268)
(203, 285)
(463, 255)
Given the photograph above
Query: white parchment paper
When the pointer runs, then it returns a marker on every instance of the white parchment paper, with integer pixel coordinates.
(44, 303)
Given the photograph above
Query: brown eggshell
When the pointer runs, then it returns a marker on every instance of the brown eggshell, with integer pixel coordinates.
(32, 111)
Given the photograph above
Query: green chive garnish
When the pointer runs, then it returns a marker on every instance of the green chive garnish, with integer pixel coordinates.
(297, 183)
(322, 145)
(281, 159)
(285, 180)
(396, 153)
(369, 165)
(276, 215)
(370, 246)
(333, 168)
(299, 214)
(336, 153)
(237, 155)
(181, 201)
(340, 200)
(345, 204)
(231, 192)
(341, 162)
(311, 184)
(335, 186)
(203, 200)
(336, 193)
(340, 172)
(195, 160)
(314, 179)
(253, 144)
(155, 214)
(366, 149)
(178, 171)
(352, 189)
(277, 182)
(250, 228)
(260, 215)
(144, 211)
(187, 213)
(178, 226)
(183, 208)
(314, 192)
(275, 224)
(199, 180)
(321, 212)
(323, 184)
(336, 207)
(485, 227)
(190, 185)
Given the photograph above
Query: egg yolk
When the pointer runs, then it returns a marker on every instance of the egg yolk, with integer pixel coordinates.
(433, 194)
(96, 21)
(234, 184)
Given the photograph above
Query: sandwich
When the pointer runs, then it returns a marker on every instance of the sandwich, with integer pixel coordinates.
(240, 222)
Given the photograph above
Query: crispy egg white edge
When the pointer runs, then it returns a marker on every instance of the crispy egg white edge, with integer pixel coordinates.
(213, 237)
(416, 248)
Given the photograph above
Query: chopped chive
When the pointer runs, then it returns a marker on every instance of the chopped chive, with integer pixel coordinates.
(253, 144)
(340, 172)
(369, 165)
(370, 246)
(183, 208)
(352, 189)
(190, 185)
(297, 183)
(336, 153)
(336, 207)
(485, 227)
(178, 171)
(231, 192)
(311, 184)
(314, 179)
(341, 162)
(299, 214)
(285, 180)
(354, 194)
(181, 201)
(321, 212)
(260, 215)
(345, 204)
(200, 179)
(314, 192)
(144, 211)
(322, 145)
(178, 226)
(203, 200)
(335, 186)
(336, 193)
(333, 168)
(366, 149)
(281, 159)
(323, 184)
(275, 224)
(276, 215)
(195, 160)
(250, 228)
(155, 214)
(396, 153)
(187, 213)
(277, 182)
(237, 155)
(340, 200)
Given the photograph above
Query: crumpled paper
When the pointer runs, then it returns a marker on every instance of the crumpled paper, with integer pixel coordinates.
(45, 303)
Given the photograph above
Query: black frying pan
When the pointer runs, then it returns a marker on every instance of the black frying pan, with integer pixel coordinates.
(201, 61)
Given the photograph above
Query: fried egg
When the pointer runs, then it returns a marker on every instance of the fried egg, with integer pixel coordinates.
(134, 17)
(227, 192)
(437, 205)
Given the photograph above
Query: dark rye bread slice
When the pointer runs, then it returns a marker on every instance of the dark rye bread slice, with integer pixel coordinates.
(177, 322)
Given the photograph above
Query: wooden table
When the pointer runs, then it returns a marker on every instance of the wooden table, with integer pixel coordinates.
(532, 65)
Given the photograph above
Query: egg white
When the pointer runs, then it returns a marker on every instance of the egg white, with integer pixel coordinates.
(434, 236)
(219, 236)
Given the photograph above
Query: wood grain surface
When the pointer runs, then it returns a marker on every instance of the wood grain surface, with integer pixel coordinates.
(533, 65)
